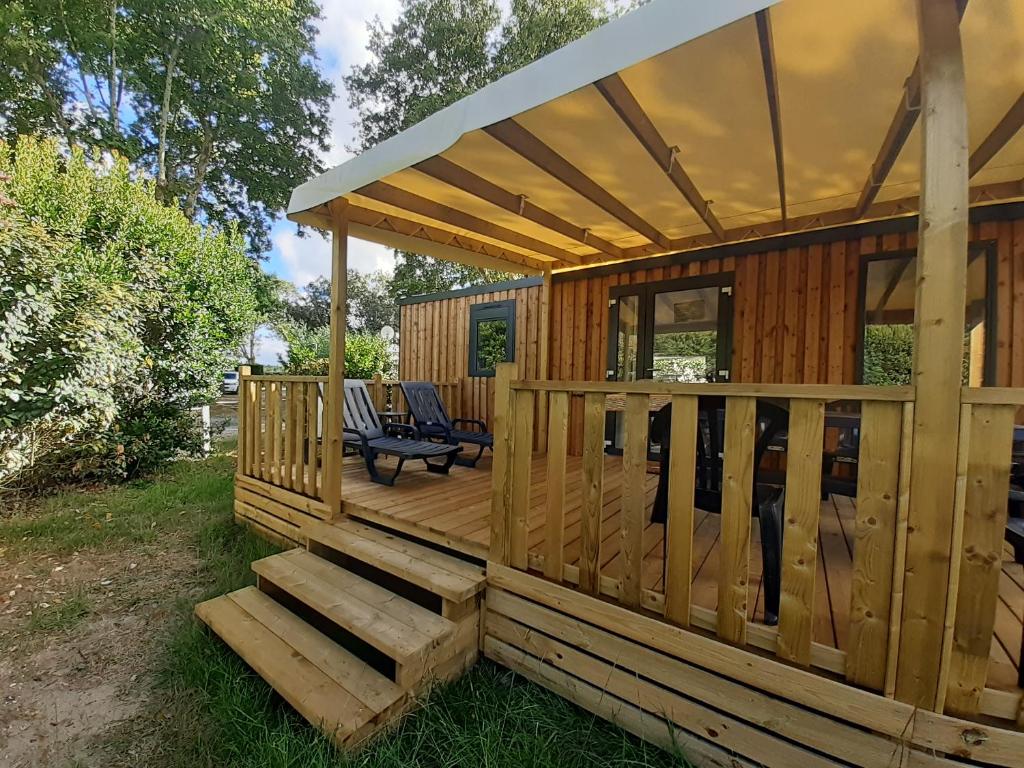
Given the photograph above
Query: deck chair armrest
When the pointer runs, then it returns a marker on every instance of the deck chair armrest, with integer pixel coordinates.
(407, 430)
(357, 433)
(478, 422)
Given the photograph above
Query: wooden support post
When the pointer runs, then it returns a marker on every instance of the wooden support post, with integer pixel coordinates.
(938, 350)
(544, 359)
(242, 451)
(334, 392)
(501, 463)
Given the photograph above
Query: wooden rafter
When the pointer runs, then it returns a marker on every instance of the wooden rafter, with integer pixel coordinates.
(621, 99)
(522, 142)
(1005, 190)
(455, 175)
(1005, 130)
(899, 129)
(409, 201)
(771, 83)
(414, 229)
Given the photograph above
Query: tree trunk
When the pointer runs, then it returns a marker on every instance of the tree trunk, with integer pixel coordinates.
(202, 166)
(165, 116)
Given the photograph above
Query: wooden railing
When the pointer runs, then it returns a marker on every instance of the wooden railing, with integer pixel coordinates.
(987, 419)
(880, 526)
(387, 395)
(280, 431)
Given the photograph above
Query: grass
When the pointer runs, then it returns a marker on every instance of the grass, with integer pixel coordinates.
(63, 617)
(209, 709)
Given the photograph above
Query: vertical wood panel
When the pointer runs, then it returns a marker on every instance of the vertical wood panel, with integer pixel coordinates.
(682, 463)
(501, 476)
(737, 487)
(522, 459)
(312, 414)
(274, 414)
(556, 446)
(836, 298)
(593, 491)
(800, 532)
(988, 481)
(289, 434)
(874, 543)
(634, 497)
(268, 434)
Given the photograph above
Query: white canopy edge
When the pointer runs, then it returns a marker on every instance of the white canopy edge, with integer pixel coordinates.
(648, 31)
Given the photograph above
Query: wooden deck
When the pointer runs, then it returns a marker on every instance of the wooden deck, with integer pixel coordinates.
(455, 511)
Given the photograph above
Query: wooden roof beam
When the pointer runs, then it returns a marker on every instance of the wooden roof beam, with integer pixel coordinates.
(771, 83)
(409, 201)
(899, 129)
(525, 144)
(455, 175)
(435, 235)
(1005, 130)
(621, 99)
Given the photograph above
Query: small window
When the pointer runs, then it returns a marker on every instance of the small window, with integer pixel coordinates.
(887, 341)
(492, 336)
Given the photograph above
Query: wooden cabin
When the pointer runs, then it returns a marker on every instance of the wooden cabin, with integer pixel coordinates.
(810, 205)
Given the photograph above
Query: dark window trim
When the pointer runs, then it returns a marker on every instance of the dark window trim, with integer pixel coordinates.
(492, 310)
(987, 250)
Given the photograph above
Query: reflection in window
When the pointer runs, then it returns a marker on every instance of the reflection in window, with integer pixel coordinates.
(491, 336)
(889, 296)
(686, 335)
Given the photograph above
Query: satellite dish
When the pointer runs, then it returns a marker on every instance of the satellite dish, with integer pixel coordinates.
(387, 333)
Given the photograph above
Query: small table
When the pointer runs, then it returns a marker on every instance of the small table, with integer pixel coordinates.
(393, 417)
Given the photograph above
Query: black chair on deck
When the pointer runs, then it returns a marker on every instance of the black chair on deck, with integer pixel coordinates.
(768, 499)
(431, 418)
(364, 433)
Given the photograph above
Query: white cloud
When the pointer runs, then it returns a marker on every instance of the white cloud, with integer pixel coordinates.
(304, 259)
(269, 346)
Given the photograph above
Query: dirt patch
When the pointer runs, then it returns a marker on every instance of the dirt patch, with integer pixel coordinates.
(79, 634)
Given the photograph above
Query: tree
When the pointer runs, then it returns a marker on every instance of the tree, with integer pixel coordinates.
(219, 100)
(435, 53)
(310, 307)
(309, 352)
(119, 315)
(370, 303)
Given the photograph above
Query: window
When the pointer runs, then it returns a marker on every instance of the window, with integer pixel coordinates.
(888, 292)
(492, 336)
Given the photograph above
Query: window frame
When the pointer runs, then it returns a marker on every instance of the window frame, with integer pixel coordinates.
(485, 312)
(985, 249)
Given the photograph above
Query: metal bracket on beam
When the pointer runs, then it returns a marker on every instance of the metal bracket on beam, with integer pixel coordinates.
(910, 107)
(522, 204)
(673, 152)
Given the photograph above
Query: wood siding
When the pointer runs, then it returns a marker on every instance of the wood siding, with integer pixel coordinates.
(795, 318)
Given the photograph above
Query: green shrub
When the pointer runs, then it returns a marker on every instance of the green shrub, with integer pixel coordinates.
(117, 315)
(309, 351)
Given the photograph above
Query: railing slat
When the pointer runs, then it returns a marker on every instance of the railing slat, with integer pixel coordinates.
(274, 414)
(593, 491)
(800, 530)
(878, 475)
(557, 437)
(268, 434)
(988, 482)
(298, 436)
(634, 497)
(312, 412)
(522, 460)
(255, 422)
(682, 465)
(289, 435)
(737, 482)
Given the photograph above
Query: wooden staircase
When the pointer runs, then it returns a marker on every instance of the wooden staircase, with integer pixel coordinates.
(353, 629)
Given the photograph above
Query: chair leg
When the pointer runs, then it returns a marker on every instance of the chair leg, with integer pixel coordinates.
(464, 462)
(377, 477)
(442, 469)
(769, 516)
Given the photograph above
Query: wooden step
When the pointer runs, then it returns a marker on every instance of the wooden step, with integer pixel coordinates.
(399, 628)
(442, 574)
(326, 684)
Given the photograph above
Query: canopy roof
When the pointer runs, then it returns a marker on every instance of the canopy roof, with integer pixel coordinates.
(682, 125)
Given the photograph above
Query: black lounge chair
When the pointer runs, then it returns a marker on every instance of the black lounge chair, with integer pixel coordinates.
(768, 497)
(431, 418)
(364, 433)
